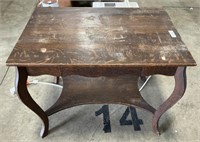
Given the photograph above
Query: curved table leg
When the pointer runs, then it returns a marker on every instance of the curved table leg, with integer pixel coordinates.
(179, 90)
(28, 101)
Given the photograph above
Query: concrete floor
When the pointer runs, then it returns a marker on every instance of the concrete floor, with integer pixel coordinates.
(180, 123)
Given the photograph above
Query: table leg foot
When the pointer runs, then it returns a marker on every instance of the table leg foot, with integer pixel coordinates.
(28, 101)
(179, 90)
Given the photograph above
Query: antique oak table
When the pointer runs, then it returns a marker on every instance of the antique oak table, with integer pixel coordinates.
(100, 54)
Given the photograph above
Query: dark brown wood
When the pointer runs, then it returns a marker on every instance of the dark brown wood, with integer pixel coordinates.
(99, 37)
(108, 48)
(179, 90)
(78, 90)
(169, 71)
(29, 102)
(100, 71)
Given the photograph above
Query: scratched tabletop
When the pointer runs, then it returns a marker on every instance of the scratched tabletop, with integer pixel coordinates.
(100, 37)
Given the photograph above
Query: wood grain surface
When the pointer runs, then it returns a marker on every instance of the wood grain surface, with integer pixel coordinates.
(99, 37)
(79, 90)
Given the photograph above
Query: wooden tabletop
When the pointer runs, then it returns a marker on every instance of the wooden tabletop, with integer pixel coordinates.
(100, 37)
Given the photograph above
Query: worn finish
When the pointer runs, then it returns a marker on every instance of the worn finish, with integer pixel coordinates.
(119, 44)
(99, 37)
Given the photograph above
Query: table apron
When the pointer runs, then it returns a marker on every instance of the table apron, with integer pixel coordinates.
(100, 71)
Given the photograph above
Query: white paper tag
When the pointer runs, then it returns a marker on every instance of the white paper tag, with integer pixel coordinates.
(172, 34)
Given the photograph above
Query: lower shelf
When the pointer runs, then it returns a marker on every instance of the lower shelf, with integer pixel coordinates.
(79, 90)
